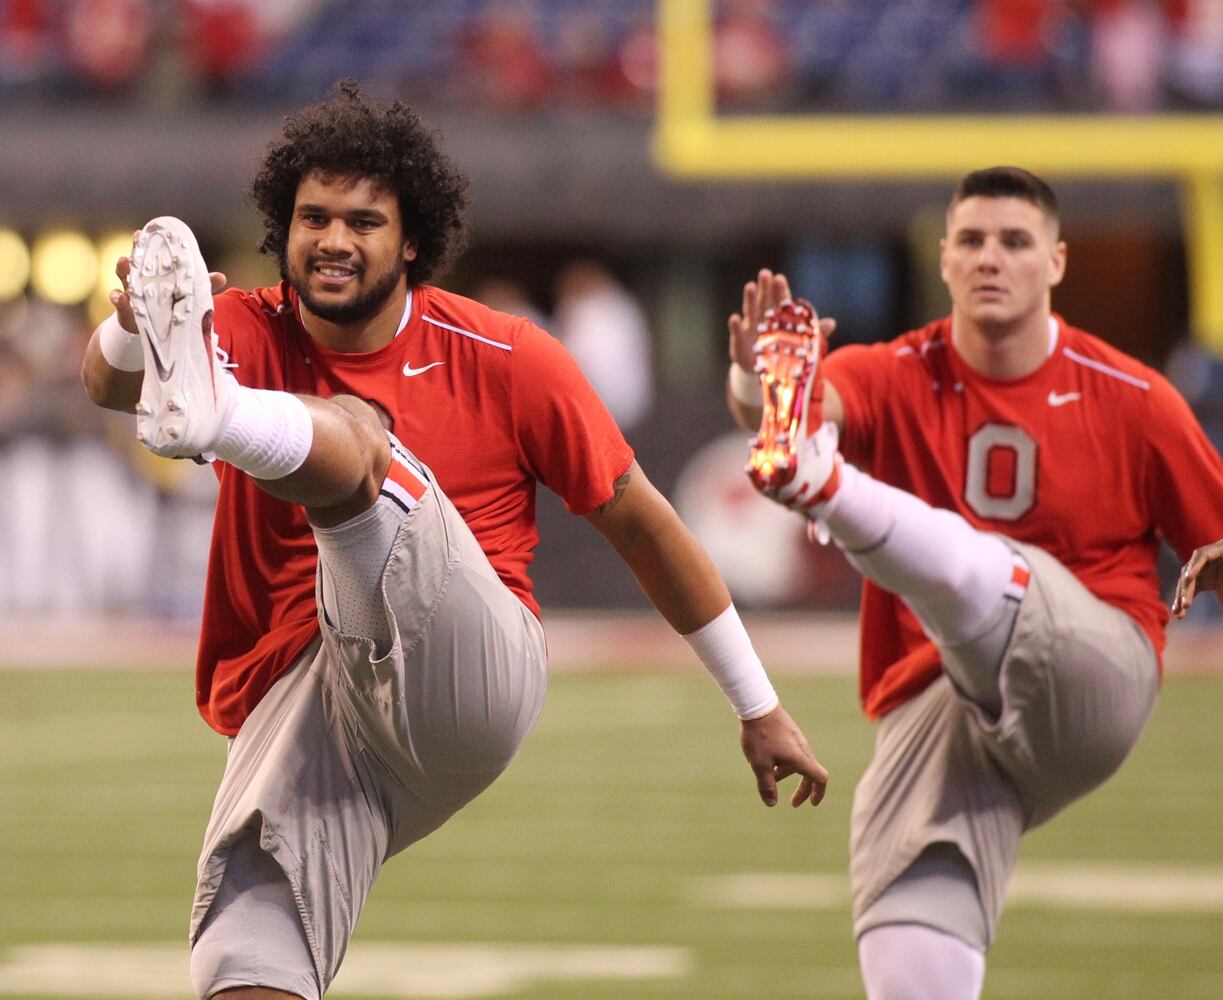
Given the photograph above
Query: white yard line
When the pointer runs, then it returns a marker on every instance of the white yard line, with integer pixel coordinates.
(790, 643)
(411, 972)
(1037, 885)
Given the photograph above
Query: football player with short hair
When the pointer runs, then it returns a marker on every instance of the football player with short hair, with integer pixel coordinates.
(1002, 480)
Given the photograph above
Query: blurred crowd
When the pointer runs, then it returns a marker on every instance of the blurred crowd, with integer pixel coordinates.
(89, 521)
(533, 56)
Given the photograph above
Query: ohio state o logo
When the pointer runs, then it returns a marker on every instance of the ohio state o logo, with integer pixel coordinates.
(1001, 478)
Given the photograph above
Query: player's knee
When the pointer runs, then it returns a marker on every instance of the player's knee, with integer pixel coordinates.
(218, 969)
(369, 434)
(939, 891)
(352, 453)
(252, 942)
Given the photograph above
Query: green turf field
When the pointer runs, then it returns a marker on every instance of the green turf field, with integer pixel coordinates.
(624, 855)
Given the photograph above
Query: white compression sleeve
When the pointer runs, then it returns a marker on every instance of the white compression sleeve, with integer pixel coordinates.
(915, 962)
(725, 649)
(952, 575)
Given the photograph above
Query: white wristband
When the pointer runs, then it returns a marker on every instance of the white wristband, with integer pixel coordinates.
(725, 649)
(122, 350)
(745, 386)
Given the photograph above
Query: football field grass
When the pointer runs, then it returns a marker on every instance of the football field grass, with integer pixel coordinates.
(623, 855)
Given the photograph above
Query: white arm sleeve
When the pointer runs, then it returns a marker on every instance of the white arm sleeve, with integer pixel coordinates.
(120, 349)
(725, 649)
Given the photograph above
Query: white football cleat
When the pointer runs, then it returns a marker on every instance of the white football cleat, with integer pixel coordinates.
(185, 395)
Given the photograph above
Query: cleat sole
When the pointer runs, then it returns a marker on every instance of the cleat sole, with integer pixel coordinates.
(787, 354)
(178, 411)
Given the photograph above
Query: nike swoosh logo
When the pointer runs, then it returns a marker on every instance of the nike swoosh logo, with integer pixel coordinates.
(163, 373)
(410, 371)
(1062, 398)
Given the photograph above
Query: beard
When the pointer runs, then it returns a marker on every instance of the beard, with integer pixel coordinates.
(364, 305)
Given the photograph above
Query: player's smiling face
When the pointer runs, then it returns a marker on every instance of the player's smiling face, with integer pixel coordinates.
(346, 253)
(1000, 260)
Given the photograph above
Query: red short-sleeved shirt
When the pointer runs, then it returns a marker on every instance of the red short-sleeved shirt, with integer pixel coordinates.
(1092, 457)
(491, 403)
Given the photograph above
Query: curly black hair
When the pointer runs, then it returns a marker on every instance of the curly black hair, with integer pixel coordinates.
(351, 136)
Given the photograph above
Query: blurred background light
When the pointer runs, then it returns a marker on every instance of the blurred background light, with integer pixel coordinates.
(111, 247)
(64, 267)
(14, 265)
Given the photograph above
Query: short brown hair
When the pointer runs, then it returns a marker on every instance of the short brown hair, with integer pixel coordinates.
(1007, 182)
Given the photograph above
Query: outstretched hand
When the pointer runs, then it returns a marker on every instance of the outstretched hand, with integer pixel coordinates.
(123, 304)
(767, 292)
(776, 748)
(1203, 571)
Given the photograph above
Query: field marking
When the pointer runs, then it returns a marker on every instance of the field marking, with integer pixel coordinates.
(411, 971)
(1038, 885)
(793, 643)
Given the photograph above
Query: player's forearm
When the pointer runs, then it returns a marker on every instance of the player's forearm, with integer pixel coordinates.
(669, 563)
(681, 581)
(110, 387)
(675, 572)
(744, 397)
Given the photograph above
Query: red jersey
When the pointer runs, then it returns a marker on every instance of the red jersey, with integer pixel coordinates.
(1092, 457)
(491, 403)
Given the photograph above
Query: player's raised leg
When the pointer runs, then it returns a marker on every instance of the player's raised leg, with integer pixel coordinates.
(963, 584)
(331, 456)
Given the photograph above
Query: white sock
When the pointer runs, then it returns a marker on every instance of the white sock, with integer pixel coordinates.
(915, 962)
(267, 434)
(948, 572)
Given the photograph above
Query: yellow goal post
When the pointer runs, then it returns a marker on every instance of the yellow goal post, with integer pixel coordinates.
(692, 141)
